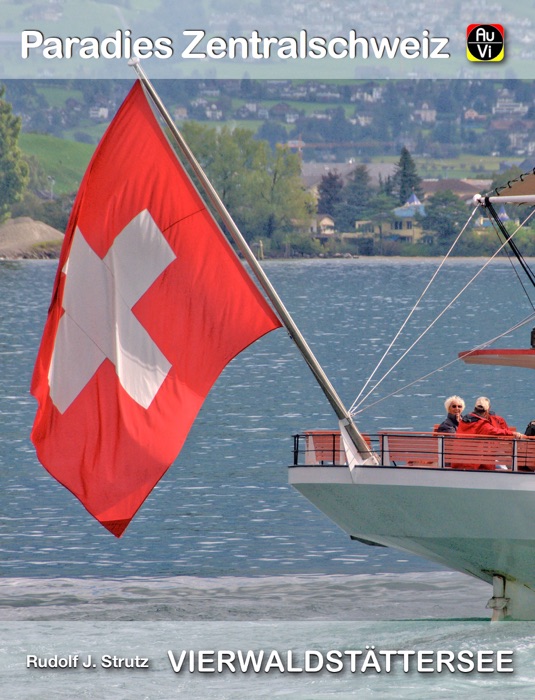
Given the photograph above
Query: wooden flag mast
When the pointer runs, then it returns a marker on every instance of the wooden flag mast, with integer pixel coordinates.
(340, 410)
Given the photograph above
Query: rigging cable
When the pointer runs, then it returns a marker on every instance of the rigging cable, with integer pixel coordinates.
(496, 220)
(357, 403)
(518, 325)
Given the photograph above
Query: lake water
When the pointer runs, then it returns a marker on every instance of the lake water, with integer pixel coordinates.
(224, 554)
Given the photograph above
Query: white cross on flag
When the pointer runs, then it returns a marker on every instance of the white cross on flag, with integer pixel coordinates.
(149, 305)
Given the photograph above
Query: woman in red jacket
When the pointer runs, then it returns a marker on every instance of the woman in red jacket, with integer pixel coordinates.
(482, 422)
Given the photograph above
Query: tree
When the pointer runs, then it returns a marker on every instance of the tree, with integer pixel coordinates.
(272, 132)
(229, 157)
(251, 89)
(355, 199)
(445, 215)
(406, 180)
(501, 180)
(380, 204)
(339, 129)
(277, 202)
(330, 192)
(393, 117)
(261, 188)
(14, 171)
(446, 131)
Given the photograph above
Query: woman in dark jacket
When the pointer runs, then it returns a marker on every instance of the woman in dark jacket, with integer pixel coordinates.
(454, 406)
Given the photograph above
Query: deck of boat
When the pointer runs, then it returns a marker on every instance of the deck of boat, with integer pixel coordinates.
(470, 507)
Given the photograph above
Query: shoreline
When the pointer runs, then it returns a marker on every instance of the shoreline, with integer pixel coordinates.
(24, 238)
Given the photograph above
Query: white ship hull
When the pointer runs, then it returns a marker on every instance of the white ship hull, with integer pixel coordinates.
(477, 522)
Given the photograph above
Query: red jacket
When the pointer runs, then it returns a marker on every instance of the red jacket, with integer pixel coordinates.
(476, 425)
(473, 424)
(498, 421)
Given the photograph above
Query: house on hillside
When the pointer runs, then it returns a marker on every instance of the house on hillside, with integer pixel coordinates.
(99, 112)
(484, 222)
(402, 224)
(465, 188)
(180, 113)
(280, 110)
(506, 105)
(425, 114)
(518, 132)
(406, 221)
(323, 227)
(472, 115)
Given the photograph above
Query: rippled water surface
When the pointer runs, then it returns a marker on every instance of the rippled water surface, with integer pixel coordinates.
(224, 507)
(223, 537)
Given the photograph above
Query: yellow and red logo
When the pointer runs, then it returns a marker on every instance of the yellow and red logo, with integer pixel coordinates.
(485, 42)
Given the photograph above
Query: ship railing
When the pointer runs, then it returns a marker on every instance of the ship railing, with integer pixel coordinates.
(319, 447)
(409, 449)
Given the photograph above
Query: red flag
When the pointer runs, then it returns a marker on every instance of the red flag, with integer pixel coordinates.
(149, 305)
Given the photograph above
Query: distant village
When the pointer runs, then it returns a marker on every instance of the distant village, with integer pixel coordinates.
(403, 224)
(299, 110)
(334, 126)
(319, 119)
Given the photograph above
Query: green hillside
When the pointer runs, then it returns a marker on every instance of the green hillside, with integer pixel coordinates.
(64, 161)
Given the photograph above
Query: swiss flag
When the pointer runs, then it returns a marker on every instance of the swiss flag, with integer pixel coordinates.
(149, 305)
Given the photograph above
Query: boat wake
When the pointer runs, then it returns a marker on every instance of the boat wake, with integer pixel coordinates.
(406, 596)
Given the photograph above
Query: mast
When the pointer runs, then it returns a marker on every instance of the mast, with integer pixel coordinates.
(295, 334)
(504, 199)
(487, 203)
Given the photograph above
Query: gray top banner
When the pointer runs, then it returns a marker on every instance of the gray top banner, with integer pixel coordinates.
(345, 39)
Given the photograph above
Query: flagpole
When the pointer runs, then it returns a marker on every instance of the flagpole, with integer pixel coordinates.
(336, 403)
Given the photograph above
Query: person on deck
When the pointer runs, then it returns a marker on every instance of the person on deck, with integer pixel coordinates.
(454, 406)
(483, 422)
